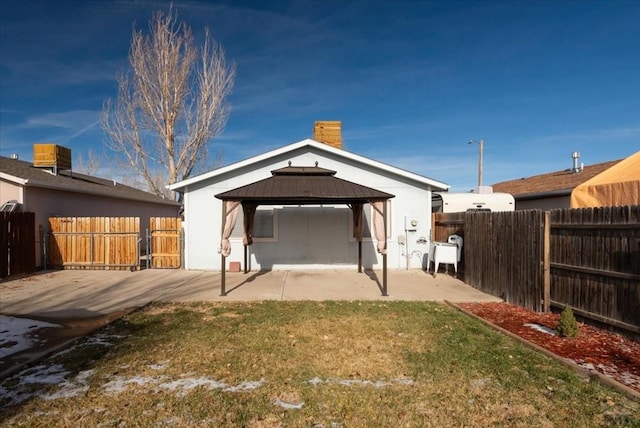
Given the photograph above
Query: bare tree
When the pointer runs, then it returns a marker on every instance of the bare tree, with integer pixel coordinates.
(170, 104)
(89, 165)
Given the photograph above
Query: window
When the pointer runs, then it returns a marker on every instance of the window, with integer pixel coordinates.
(264, 225)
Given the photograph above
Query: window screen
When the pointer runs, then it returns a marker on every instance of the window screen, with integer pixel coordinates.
(263, 224)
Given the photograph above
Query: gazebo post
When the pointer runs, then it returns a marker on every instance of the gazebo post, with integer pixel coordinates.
(245, 258)
(223, 261)
(223, 291)
(384, 255)
(384, 275)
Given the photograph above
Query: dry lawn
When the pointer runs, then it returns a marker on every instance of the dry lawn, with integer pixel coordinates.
(306, 364)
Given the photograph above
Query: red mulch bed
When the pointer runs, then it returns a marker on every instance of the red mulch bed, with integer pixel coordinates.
(595, 349)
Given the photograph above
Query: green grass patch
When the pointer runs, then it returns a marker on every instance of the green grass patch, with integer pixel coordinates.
(269, 364)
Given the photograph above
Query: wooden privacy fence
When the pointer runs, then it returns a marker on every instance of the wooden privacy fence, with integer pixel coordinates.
(587, 258)
(17, 243)
(503, 253)
(444, 225)
(594, 263)
(94, 243)
(164, 243)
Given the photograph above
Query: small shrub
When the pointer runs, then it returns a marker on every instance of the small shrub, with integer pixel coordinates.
(567, 326)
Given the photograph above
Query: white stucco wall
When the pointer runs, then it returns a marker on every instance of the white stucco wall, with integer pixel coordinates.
(307, 236)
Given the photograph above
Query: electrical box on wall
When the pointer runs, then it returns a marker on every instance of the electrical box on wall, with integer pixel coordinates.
(410, 223)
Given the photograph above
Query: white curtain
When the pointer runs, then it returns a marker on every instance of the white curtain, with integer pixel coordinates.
(379, 226)
(232, 208)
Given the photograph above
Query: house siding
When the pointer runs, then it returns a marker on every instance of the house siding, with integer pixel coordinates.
(548, 203)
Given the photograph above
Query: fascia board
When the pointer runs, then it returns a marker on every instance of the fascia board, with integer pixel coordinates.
(380, 165)
(317, 145)
(43, 185)
(545, 194)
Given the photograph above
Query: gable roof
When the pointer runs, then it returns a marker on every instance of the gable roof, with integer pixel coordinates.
(558, 183)
(315, 145)
(25, 174)
(304, 185)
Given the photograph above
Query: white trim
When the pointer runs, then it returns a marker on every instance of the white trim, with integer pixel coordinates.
(319, 146)
(13, 179)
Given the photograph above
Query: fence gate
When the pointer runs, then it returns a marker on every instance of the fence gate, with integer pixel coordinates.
(164, 241)
(94, 243)
(17, 243)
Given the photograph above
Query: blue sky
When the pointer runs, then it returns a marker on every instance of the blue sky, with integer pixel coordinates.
(412, 81)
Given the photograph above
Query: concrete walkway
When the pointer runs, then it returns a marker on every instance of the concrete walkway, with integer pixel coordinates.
(84, 294)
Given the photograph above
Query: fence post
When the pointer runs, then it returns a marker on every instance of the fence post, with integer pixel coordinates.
(45, 254)
(546, 262)
(149, 251)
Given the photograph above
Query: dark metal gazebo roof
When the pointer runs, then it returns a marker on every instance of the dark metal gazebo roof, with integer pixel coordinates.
(303, 185)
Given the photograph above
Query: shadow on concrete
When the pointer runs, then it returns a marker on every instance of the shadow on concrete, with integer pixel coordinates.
(374, 277)
(251, 278)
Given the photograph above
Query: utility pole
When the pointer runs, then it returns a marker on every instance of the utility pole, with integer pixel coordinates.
(481, 148)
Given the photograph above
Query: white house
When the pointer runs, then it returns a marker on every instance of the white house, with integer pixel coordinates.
(309, 234)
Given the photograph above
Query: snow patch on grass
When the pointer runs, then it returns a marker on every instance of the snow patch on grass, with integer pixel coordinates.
(31, 381)
(286, 405)
(316, 381)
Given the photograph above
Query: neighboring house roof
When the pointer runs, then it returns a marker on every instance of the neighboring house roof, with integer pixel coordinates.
(316, 145)
(25, 174)
(558, 183)
(303, 185)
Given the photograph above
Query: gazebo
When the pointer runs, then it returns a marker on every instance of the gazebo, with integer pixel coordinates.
(303, 185)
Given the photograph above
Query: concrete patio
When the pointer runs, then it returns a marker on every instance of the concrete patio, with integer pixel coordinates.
(83, 294)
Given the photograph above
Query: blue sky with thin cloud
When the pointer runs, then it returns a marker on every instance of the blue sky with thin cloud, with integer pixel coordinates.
(412, 81)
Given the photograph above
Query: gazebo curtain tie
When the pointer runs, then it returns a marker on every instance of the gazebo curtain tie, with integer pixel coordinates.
(232, 208)
(379, 226)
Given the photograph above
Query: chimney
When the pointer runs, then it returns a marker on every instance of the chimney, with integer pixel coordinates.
(52, 157)
(576, 162)
(328, 132)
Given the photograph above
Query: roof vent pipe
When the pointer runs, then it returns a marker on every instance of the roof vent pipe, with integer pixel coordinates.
(14, 156)
(576, 162)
